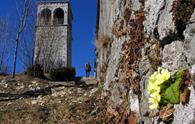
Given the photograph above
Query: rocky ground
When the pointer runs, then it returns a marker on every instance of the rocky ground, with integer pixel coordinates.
(35, 101)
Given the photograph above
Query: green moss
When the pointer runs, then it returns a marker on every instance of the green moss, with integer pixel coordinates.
(154, 62)
(154, 55)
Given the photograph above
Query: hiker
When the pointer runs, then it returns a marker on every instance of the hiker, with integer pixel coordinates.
(87, 69)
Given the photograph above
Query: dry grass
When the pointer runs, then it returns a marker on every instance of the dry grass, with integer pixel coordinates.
(103, 41)
(91, 110)
(71, 105)
(17, 78)
(22, 78)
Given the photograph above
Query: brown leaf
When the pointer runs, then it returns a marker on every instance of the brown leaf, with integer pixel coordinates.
(166, 112)
(187, 78)
(129, 73)
(111, 111)
(132, 119)
(151, 114)
(185, 96)
(184, 91)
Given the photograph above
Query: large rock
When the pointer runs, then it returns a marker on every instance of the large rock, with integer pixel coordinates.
(173, 56)
(189, 35)
(158, 27)
(114, 60)
(185, 114)
(166, 25)
(152, 9)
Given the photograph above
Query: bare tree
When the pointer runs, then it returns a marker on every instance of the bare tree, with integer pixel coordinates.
(25, 6)
(47, 46)
(27, 42)
(5, 45)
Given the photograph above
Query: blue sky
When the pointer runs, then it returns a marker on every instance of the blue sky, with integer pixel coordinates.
(84, 26)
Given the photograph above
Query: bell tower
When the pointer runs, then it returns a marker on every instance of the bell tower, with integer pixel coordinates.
(53, 47)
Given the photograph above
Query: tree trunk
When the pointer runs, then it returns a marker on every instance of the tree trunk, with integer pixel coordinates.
(15, 56)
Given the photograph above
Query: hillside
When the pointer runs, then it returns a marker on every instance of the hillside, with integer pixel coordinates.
(38, 101)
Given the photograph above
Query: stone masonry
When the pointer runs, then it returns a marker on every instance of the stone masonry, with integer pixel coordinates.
(53, 47)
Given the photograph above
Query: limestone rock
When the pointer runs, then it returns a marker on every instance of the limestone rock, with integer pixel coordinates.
(114, 60)
(173, 56)
(159, 25)
(185, 114)
(189, 35)
(166, 25)
(152, 9)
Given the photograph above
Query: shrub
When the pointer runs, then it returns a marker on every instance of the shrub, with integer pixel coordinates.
(63, 74)
(3, 74)
(35, 71)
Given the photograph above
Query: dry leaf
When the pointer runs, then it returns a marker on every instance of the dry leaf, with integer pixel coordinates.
(166, 112)
(184, 91)
(151, 114)
(132, 119)
(187, 78)
(112, 111)
(129, 73)
(185, 96)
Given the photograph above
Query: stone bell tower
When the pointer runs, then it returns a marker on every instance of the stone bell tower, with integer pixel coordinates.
(53, 47)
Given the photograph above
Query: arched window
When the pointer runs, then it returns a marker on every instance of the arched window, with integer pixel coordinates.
(58, 17)
(45, 17)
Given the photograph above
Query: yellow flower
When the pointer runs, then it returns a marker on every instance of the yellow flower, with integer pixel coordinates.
(154, 83)
(165, 74)
(162, 76)
(155, 96)
(154, 100)
(152, 78)
(152, 87)
(154, 106)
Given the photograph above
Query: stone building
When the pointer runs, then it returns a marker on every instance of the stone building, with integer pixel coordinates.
(53, 47)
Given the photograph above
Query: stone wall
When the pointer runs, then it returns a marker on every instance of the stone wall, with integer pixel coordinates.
(51, 46)
(143, 35)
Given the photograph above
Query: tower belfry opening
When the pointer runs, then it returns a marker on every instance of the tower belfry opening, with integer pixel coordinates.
(58, 17)
(53, 47)
(45, 17)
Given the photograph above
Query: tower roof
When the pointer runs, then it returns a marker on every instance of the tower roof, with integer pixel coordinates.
(53, 1)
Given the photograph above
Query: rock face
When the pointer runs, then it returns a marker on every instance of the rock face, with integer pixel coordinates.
(144, 35)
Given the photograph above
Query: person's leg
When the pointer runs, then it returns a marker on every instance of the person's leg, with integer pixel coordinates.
(88, 73)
